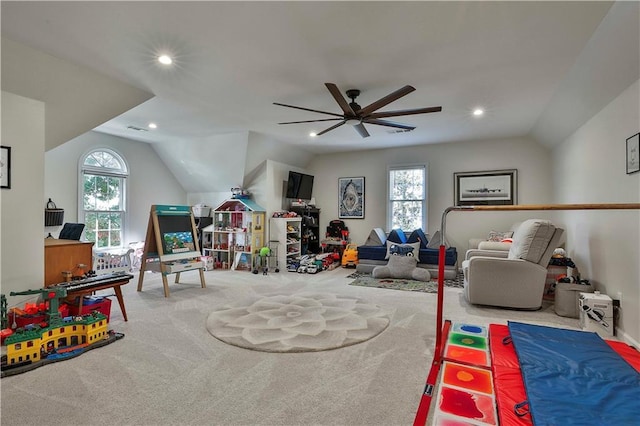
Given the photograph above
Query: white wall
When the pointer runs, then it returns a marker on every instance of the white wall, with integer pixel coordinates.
(150, 182)
(530, 159)
(588, 167)
(21, 207)
(209, 164)
(69, 91)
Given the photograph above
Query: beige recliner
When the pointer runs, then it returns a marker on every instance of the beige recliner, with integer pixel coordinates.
(514, 278)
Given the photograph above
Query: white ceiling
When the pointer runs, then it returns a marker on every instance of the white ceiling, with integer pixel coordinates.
(234, 59)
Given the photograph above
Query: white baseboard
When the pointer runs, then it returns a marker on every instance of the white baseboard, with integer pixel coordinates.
(621, 335)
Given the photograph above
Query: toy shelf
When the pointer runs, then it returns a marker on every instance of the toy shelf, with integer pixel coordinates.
(286, 231)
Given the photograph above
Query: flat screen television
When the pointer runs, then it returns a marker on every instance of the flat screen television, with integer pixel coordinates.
(299, 186)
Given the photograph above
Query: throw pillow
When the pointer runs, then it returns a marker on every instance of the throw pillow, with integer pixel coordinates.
(497, 236)
(377, 237)
(434, 243)
(418, 236)
(403, 249)
(397, 236)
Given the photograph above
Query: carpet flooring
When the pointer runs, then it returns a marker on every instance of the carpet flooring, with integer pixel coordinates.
(169, 370)
(366, 280)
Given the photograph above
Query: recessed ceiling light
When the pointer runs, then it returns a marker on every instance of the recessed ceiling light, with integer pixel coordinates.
(313, 135)
(153, 126)
(165, 59)
(478, 111)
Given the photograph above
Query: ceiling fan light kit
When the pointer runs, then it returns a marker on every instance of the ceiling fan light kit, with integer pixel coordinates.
(356, 116)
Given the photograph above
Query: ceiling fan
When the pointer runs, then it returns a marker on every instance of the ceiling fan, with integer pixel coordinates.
(357, 116)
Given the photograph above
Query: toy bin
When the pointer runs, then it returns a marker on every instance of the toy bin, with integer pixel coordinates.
(93, 303)
(567, 296)
(26, 319)
(34, 314)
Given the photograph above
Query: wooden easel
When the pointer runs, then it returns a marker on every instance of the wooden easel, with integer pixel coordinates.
(171, 245)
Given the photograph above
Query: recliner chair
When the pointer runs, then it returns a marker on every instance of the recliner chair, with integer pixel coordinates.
(513, 279)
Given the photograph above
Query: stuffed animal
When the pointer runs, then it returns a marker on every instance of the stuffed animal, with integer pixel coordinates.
(559, 253)
(400, 266)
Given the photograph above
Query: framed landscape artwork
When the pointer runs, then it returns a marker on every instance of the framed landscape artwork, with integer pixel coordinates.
(351, 198)
(490, 188)
(633, 154)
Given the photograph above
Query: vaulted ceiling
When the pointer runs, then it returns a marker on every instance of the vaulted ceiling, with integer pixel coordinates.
(536, 68)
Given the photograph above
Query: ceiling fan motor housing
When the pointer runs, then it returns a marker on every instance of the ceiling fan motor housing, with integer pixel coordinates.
(354, 115)
(353, 94)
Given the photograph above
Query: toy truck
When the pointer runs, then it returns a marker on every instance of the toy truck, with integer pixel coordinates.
(350, 256)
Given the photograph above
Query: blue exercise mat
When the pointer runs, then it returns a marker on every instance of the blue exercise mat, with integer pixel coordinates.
(575, 378)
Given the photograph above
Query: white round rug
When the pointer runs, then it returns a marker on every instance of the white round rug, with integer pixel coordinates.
(299, 322)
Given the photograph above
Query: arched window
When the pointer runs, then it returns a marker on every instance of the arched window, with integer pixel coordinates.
(103, 197)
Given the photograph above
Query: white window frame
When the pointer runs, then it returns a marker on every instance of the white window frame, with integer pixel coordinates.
(425, 194)
(122, 173)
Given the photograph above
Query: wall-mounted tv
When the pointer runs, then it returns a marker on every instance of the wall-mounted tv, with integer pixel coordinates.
(299, 186)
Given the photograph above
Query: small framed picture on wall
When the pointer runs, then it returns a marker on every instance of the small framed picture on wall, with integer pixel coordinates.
(633, 154)
(5, 167)
(351, 198)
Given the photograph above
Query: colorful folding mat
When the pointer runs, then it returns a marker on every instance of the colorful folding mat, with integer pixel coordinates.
(574, 377)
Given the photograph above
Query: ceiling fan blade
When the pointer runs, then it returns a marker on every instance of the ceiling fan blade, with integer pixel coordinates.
(346, 108)
(330, 128)
(361, 130)
(404, 112)
(386, 100)
(389, 124)
(311, 121)
(308, 109)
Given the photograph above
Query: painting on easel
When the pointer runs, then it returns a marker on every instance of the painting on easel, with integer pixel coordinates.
(170, 246)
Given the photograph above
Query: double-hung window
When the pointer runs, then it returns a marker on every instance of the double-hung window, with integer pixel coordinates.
(103, 176)
(407, 208)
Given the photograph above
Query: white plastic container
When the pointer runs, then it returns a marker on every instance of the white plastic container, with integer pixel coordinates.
(201, 211)
(596, 313)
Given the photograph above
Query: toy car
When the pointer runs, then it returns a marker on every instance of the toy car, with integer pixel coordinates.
(302, 269)
(312, 269)
(350, 256)
(293, 267)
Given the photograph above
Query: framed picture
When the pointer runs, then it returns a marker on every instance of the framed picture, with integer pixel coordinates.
(5, 167)
(351, 198)
(490, 188)
(633, 154)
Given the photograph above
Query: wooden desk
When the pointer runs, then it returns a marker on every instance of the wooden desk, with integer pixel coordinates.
(65, 255)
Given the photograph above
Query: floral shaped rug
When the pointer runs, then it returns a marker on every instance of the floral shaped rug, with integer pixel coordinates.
(300, 322)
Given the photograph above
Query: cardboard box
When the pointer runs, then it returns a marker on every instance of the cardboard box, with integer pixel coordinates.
(596, 313)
